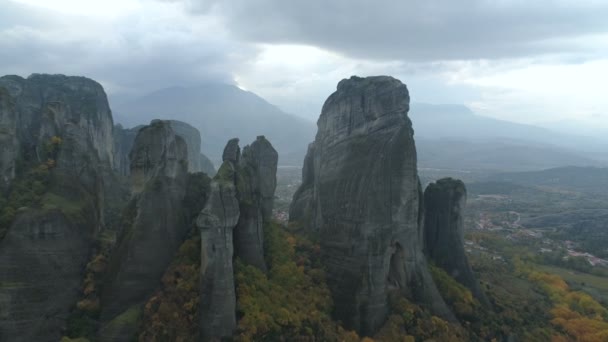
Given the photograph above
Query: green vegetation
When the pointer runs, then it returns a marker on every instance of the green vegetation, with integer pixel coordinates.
(291, 301)
(172, 314)
(455, 294)
(25, 192)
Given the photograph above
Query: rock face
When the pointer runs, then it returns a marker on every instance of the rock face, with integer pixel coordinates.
(123, 142)
(444, 203)
(65, 124)
(216, 222)
(197, 162)
(159, 164)
(360, 192)
(51, 105)
(231, 224)
(258, 169)
(9, 145)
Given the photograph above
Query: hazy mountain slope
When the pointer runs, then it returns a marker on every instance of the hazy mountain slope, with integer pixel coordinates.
(580, 179)
(494, 155)
(221, 112)
(452, 136)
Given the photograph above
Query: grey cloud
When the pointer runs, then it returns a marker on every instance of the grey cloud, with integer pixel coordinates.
(415, 30)
(129, 56)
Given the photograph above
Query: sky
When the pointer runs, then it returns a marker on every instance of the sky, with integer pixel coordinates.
(540, 62)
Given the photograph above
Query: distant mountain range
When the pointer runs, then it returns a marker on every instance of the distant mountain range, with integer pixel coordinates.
(221, 112)
(452, 136)
(573, 178)
(447, 136)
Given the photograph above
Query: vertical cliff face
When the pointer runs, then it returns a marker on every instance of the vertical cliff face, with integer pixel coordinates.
(57, 105)
(444, 204)
(361, 193)
(232, 225)
(123, 143)
(216, 223)
(257, 183)
(60, 130)
(9, 145)
(197, 162)
(159, 164)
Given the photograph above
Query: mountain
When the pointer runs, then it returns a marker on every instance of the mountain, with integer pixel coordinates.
(221, 112)
(580, 179)
(452, 136)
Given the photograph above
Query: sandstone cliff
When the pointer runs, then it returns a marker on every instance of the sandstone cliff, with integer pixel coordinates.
(258, 169)
(232, 225)
(444, 203)
(158, 164)
(360, 193)
(197, 162)
(58, 134)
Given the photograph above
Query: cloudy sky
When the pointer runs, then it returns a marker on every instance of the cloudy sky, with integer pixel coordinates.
(525, 61)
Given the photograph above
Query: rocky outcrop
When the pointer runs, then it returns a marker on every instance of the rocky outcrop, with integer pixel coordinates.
(444, 203)
(258, 169)
(158, 164)
(361, 194)
(123, 143)
(232, 224)
(216, 222)
(197, 162)
(9, 146)
(61, 127)
(49, 105)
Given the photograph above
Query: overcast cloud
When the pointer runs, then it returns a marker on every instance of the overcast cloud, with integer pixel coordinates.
(527, 61)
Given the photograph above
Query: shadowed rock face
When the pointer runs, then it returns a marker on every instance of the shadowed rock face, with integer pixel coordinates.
(46, 247)
(123, 143)
(257, 183)
(159, 163)
(361, 193)
(232, 224)
(50, 104)
(216, 222)
(444, 203)
(197, 162)
(9, 145)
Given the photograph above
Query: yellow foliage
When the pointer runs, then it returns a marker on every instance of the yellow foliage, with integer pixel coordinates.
(575, 313)
(171, 314)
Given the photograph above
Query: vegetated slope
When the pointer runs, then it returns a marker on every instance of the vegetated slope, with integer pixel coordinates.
(221, 112)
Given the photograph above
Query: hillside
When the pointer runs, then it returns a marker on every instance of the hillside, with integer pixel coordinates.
(467, 141)
(221, 112)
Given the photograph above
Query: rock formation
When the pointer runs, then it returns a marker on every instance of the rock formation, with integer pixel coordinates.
(159, 164)
(60, 127)
(444, 203)
(216, 222)
(9, 145)
(123, 142)
(231, 224)
(360, 192)
(197, 162)
(258, 169)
